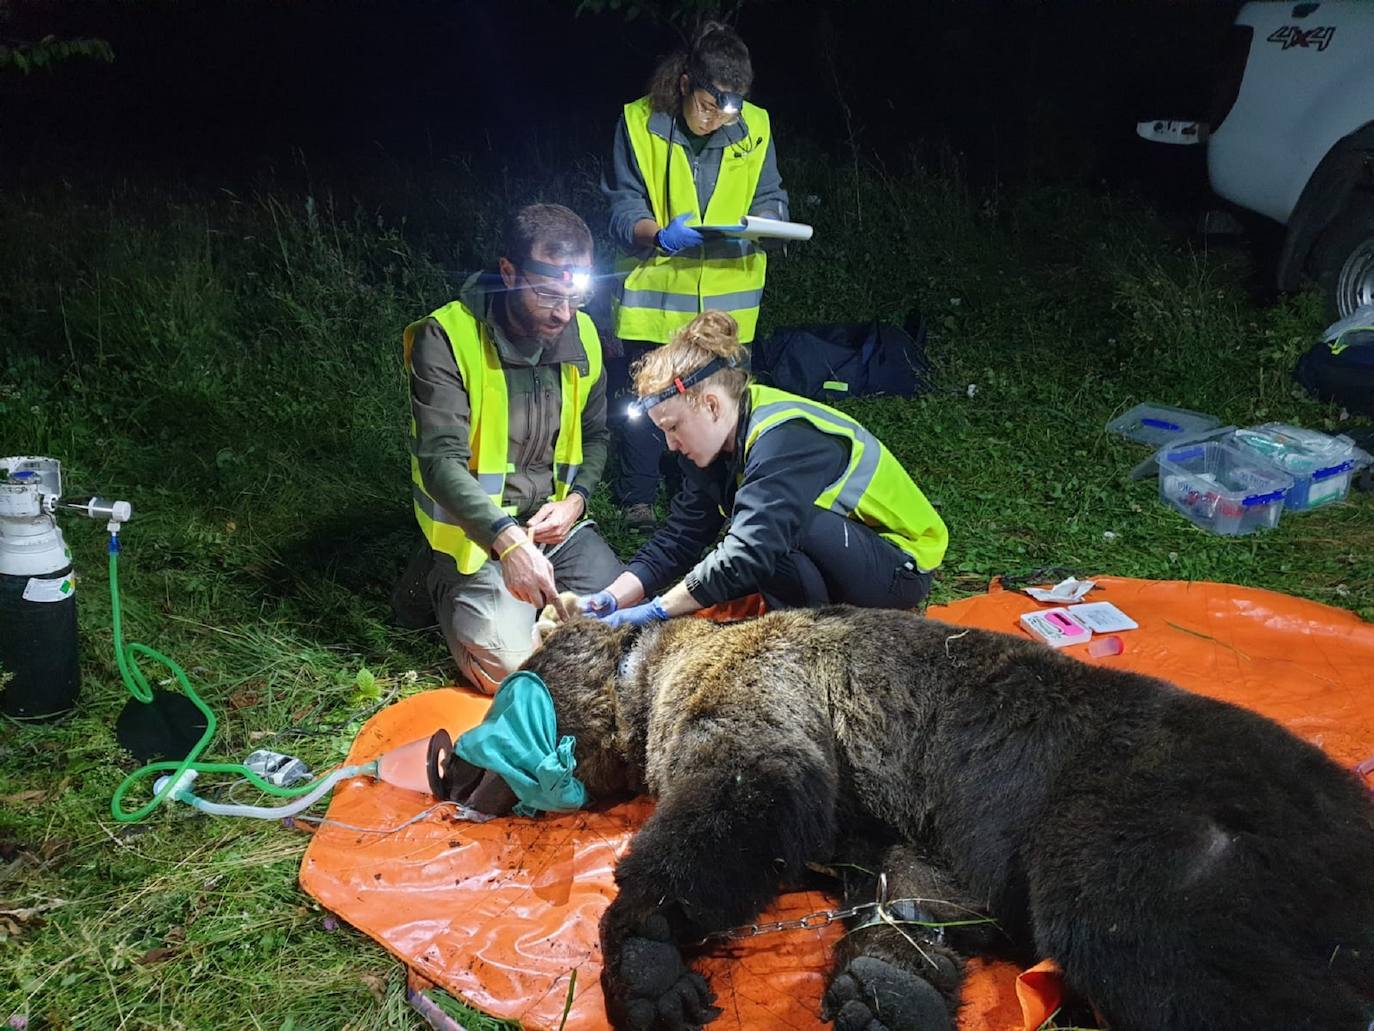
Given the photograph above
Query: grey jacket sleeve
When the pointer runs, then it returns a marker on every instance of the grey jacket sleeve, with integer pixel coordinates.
(439, 404)
(770, 199)
(622, 184)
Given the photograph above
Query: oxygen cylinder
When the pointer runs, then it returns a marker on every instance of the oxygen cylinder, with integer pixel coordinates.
(39, 666)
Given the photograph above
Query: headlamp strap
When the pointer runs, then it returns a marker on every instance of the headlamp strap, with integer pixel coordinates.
(681, 383)
(568, 274)
(725, 99)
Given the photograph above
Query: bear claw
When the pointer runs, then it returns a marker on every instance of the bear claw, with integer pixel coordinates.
(663, 993)
(873, 995)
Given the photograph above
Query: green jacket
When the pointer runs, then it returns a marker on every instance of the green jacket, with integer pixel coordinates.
(442, 432)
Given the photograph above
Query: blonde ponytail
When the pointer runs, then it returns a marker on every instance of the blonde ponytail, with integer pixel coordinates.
(712, 334)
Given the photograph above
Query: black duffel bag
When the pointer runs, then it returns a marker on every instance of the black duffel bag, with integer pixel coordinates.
(1341, 370)
(832, 362)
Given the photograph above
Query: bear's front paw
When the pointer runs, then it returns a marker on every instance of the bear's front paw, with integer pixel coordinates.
(658, 992)
(873, 995)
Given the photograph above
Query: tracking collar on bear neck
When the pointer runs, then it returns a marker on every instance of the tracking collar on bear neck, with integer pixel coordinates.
(629, 653)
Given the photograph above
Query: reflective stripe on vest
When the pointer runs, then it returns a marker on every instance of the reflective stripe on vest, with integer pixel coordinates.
(874, 489)
(479, 365)
(662, 293)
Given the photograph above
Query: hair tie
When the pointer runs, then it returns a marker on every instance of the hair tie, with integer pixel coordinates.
(522, 541)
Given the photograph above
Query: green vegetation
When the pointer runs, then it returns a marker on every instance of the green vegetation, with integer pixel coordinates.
(49, 51)
(230, 364)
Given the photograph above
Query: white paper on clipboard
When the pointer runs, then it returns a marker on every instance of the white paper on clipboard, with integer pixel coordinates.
(755, 227)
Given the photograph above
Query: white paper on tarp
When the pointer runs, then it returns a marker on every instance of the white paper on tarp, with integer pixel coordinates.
(1065, 591)
(755, 227)
(1102, 617)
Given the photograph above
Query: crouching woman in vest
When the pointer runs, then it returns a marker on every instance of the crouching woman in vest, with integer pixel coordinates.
(819, 510)
(692, 152)
(507, 441)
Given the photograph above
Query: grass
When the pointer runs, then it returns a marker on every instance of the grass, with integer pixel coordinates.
(229, 362)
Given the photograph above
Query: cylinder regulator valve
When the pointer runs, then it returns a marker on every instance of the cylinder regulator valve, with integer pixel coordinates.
(115, 513)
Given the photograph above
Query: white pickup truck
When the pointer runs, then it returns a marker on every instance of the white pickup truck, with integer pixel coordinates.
(1291, 136)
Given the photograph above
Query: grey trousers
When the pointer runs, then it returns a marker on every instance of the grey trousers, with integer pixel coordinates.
(489, 632)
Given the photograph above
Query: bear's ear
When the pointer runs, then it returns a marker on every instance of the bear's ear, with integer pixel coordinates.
(545, 625)
(564, 607)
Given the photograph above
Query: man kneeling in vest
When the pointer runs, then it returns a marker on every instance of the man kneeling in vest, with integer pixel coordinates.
(508, 440)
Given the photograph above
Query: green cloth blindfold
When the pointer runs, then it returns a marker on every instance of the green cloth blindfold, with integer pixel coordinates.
(519, 741)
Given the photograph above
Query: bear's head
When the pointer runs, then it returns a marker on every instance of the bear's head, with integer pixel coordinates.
(578, 661)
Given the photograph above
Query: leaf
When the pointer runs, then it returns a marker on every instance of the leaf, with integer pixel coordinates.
(20, 797)
(568, 999)
(367, 685)
(376, 985)
(13, 922)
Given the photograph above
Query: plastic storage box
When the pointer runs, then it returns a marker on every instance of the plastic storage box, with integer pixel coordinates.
(1159, 425)
(1221, 488)
(1321, 465)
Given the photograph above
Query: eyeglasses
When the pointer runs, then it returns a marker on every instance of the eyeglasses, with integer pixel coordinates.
(576, 276)
(722, 104)
(551, 299)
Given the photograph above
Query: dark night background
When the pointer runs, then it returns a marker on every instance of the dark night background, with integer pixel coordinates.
(221, 92)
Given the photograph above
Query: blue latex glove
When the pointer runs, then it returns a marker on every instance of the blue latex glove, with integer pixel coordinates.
(677, 235)
(639, 615)
(602, 603)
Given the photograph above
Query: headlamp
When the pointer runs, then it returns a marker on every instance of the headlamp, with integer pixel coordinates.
(579, 277)
(728, 102)
(679, 386)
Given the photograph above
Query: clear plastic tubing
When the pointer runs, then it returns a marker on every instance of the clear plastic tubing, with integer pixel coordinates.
(269, 812)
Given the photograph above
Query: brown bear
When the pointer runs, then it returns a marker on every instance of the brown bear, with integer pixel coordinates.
(1189, 864)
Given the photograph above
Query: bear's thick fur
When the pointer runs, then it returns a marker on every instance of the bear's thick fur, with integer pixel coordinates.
(1190, 865)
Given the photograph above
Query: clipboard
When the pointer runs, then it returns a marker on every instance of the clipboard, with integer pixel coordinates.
(755, 227)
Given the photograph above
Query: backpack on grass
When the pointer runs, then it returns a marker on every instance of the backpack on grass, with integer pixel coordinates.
(1340, 368)
(833, 362)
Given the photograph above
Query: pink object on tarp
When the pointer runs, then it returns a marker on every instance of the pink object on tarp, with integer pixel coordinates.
(501, 913)
(1101, 647)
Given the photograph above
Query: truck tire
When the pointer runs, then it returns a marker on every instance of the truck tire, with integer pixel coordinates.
(1343, 258)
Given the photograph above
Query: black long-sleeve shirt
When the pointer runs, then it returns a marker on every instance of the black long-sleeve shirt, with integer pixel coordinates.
(770, 501)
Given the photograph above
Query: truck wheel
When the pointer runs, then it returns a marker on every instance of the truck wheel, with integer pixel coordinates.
(1343, 259)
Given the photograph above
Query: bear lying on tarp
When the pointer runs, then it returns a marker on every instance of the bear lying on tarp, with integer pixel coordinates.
(1190, 865)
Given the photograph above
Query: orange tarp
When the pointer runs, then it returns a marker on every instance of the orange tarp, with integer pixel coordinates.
(501, 913)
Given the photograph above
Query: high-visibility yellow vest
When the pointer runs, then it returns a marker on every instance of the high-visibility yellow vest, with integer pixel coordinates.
(662, 293)
(479, 365)
(874, 490)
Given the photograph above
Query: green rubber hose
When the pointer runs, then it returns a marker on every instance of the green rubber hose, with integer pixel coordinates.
(137, 683)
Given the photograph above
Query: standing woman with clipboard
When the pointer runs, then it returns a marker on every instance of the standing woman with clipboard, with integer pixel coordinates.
(693, 152)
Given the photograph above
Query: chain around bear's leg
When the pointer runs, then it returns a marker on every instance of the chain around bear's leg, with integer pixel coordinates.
(901, 965)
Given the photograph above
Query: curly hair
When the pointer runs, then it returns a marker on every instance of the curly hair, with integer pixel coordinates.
(717, 55)
(712, 334)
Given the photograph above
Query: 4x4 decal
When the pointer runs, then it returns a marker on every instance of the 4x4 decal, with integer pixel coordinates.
(1294, 36)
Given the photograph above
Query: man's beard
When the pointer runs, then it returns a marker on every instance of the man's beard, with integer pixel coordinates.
(524, 332)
